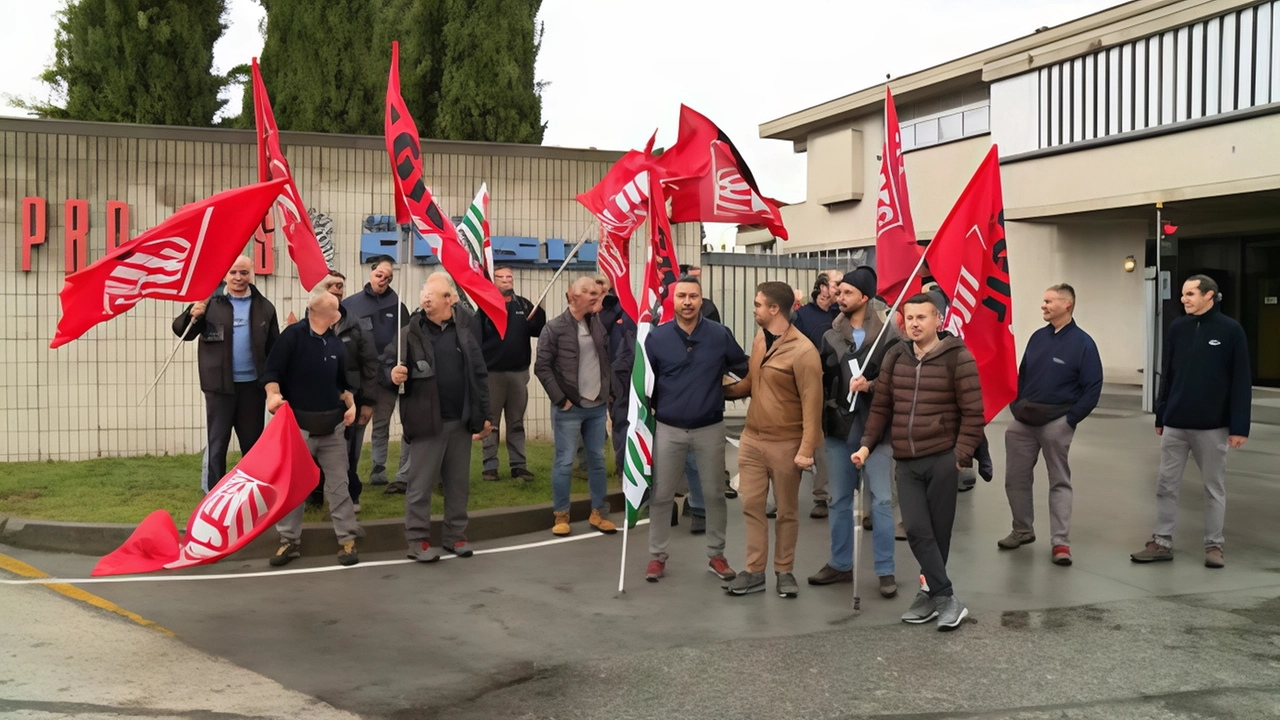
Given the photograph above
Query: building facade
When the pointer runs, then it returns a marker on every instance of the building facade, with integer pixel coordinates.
(1153, 106)
(70, 190)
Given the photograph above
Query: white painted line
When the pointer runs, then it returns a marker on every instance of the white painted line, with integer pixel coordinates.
(282, 573)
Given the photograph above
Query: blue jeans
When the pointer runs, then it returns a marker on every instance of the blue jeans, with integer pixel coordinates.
(843, 478)
(698, 508)
(568, 426)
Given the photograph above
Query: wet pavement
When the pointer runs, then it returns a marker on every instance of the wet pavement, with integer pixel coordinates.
(541, 632)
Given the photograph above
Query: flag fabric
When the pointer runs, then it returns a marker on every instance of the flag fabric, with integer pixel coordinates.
(474, 228)
(415, 205)
(269, 481)
(970, 261)
(897, 253)
(709, 181)
(304, 248)
(661, 269)
(181, 259)
(613, 256)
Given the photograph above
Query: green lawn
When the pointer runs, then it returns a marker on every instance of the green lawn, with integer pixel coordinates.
(125, 490)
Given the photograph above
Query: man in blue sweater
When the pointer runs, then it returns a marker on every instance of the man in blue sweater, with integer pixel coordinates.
(689, 358)
(1202, 409)
(1059, 383)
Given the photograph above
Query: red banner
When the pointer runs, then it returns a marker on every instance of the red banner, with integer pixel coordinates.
(897, 253)
(298, 233)
(970, 261)
(182, 259)
(662, 269)
(415, 205)
(269, 481)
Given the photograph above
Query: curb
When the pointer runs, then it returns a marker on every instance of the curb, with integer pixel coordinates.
(97, 539)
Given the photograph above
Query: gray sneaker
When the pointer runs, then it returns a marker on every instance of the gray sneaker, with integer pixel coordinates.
(951, 612)
(787, 585)
(1153, 552)
(378, 476)
(922, 610)
(1015, 540)
(423, 552)
(746, 583)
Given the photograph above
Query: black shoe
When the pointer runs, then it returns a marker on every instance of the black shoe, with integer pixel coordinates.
(522, 474)
(771, 512)
(675, 515)
(698, 526)
(729, 492)
(819, 510)
(830, 576)
(395, 487)
(378, 476)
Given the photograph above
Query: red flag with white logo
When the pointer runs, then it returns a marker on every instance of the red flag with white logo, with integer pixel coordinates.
(269, 481)
(897, 253)
(182, 259)
(661, 269)
(272, 165)
(970, 261)
(708, 180)
(415, 205)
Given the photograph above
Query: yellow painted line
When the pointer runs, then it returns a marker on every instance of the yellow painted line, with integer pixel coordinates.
(18, 567)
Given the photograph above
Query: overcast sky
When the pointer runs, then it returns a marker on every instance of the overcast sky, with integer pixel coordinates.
(618, 69)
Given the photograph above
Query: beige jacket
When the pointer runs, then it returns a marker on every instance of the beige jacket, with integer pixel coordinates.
(785, 387)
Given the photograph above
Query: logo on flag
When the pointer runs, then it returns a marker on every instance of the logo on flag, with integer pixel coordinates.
(232, 510)
(154, 269)
(734, 194)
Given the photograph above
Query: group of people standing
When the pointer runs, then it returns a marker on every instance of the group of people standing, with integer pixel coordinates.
(836, 388)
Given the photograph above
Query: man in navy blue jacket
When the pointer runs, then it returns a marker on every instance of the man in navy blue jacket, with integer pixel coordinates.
(689, 359)
(1059, 383)
(1202, 409)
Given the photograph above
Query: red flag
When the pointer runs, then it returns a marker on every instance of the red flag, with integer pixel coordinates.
(970, 261)
(415, 205)
(897, 253)
(709, 181)
(662, 268)
(614, 259)
(269, 481)
(301, 237)
(183, 259)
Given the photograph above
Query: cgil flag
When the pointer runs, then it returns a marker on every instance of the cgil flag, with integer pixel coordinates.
(897, 253)
(182, 259)
(474, 229)
(970, 261)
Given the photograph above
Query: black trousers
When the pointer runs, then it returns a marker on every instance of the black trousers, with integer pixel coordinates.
(620, 421)
(927, 499)
(243, 410)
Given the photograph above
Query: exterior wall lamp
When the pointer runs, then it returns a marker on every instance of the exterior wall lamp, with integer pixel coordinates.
(1130, 264)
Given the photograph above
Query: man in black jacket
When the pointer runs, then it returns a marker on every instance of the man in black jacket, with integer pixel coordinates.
(621, 330)
(1202, 409)
(237, 328)
(508, 359)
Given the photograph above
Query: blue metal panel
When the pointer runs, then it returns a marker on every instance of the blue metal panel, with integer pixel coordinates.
(555, 250)
(515, 249)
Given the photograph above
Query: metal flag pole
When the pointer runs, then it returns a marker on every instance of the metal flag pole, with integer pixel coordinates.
(892, 311)
(181, 339)
(404, 237)
(857, 537)
(568, 258)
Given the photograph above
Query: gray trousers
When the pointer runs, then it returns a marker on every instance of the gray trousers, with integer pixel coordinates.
(927, 493)
(672, 446)
(330, 453)
(443, 460)
(1023, 445)
(382, 410)
(509, 396)
(1209, 447)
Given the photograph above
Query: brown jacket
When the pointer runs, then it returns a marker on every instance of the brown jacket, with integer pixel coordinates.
(935, 403)
(785, 386)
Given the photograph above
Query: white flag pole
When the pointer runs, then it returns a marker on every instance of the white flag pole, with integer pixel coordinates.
(568, 258)
(892, 311)
(181, 339)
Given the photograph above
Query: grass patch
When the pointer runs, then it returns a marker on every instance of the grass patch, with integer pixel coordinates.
(125, 490)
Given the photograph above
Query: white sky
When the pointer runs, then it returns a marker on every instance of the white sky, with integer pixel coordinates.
(620, 68)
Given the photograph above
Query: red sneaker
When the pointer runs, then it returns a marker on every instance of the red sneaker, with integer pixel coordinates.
(720, 568)
(1061, 555)
(655, 570)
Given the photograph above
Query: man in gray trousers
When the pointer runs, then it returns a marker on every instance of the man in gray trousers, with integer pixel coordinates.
(1059, 383)
(445, 407)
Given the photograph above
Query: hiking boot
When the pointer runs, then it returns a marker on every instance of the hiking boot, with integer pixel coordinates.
(787, 586)
(1213, 558)
(287, 552)
(922, 610)
(461, 549)
(378, 476)
(888, 586)
(654, 571)
(819, 510)
(866, 523)
(746, 583)
(1015, 540)
(561, 525)
(1152, 553)
(1061, 555)
(830, 576)
(698, 525)
(951, 612)
(489, 475)
(720, 568)
(395, 487)
(601, 523)
(423, 552)
(523, 474)
(347, 554)
(771, 511)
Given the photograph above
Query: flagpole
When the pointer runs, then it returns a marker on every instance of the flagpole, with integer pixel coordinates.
(567, 259)
(622, 570)
(400, 320)
(892, 311)
(181, 339)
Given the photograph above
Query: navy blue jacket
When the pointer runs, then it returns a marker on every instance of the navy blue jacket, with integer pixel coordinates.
(621, 330)
(511, 353)
(377, 314)
(687, 372)
(1207, 381)
(1060, 374)
(814, 322)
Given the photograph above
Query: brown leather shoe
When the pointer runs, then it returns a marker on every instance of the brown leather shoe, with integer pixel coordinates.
(830, 576)
(561, 526)
(601, 523)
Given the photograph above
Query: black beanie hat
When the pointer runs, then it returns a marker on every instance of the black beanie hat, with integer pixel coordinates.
(863, 278)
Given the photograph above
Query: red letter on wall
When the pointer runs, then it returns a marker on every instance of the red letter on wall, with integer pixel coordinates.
(33, 227)
(264, 256)
(117, 224)
(77, 235)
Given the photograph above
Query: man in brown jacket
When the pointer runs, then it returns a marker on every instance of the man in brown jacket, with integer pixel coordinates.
(929, 394)
(783, 430)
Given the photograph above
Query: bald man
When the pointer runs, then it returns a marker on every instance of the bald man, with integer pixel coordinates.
(308, 369)
(237, 328)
